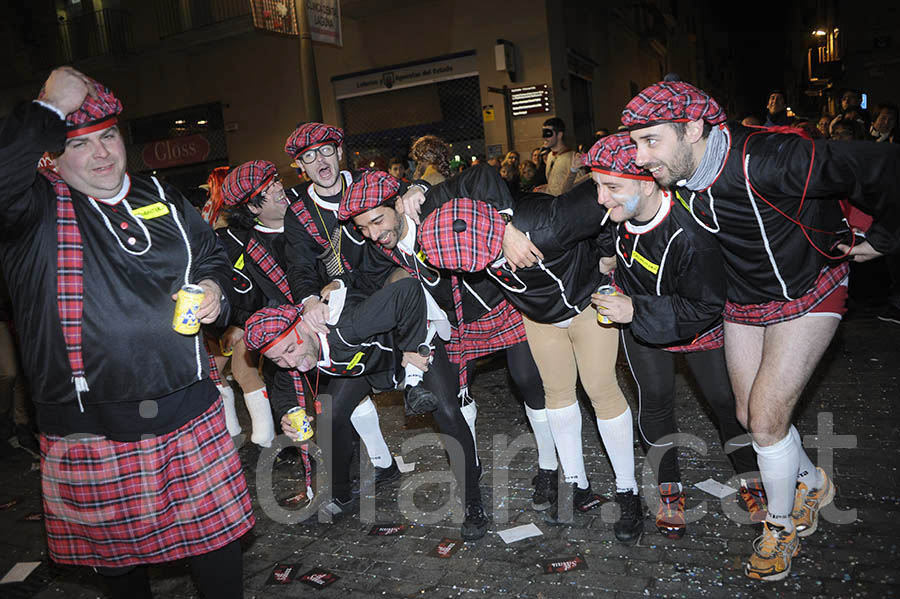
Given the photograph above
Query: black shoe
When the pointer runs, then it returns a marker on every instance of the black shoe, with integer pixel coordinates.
(386, 475)
(338, 506)
(546, 489)
(585, 499)
(631, 517)
(476, 523)
(890, 314)
(419, 400)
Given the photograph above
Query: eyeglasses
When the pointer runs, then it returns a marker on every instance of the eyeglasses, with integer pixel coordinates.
(547, 133)
(276, 180)
(309, 156)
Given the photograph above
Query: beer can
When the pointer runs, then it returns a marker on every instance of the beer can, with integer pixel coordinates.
(226, 353)
(605, 290)
(186, 307)
(300, 422)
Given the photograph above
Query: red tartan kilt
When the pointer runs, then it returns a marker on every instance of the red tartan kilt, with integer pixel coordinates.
(498, 329)
(711, 339)
(113, 504)
(774, 312)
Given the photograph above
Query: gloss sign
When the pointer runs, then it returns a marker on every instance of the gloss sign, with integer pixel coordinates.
(176, 151)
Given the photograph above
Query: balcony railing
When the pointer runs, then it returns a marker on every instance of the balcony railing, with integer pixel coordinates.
(105, 32)
(174, 17)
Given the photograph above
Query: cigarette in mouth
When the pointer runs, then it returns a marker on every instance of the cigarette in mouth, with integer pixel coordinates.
(605, 217)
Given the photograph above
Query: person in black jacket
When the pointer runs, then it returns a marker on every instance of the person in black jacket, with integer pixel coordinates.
(137, 466)
(671, 279)
(771, 200)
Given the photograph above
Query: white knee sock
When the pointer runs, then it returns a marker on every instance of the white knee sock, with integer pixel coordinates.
(413, 376)
(261, 417)
(470, 413)
(808, 475)
(543, 437)
(778, 466)
(618, 439)
(365, 420)
(231, 419)
(566, 426)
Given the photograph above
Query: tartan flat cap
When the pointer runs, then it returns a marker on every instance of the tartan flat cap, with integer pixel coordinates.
(463, 234)
(268, 326)
(371, 190)
(614, 155)
(247, 180)
(671, 102)
(312, 135)
(94, 114)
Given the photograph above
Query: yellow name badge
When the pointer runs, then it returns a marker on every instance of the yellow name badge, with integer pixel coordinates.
(359, 356)
(654, 268)
(421, 256)
(151, 211)
(239, 265)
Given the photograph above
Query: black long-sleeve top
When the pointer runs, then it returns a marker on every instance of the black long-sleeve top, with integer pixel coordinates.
(767, 257)
(130, 350)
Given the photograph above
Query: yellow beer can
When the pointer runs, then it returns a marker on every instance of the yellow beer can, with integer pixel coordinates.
(605, 290)
(300, 422)
(186, 307)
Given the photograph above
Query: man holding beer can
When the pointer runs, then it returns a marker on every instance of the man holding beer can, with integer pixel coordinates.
(137, 465)
(672, 282)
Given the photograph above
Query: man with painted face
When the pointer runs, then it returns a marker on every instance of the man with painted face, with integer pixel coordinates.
(671, 280)
(393, 317)
(771, 200)
(137, 466)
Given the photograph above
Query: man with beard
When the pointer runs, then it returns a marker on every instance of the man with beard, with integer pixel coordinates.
(771, 199)
(257, 202)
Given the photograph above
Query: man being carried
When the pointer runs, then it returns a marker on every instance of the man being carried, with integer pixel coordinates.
(363, 335)
(771, 200)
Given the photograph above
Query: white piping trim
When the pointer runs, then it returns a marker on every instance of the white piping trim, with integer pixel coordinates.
(562, 289)
(350, 237)
(662, 262)
(187, 269)
(712, 210)
(478, 297)
(762, 230)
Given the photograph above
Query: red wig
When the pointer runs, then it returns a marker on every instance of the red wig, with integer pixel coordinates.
(213, 205)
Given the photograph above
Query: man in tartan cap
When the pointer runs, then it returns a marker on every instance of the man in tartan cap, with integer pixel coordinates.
(94, 256)
(670, 280)
(257, 203)
(769, 196)
(368, 335)
(481, 321)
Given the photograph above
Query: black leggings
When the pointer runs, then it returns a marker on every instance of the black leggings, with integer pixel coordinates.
(217, 574)
(442, 379)
(653, 370)
(524, 372)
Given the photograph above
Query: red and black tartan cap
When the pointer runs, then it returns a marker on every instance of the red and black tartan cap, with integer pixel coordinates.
(312, 135)
(671, 102)
(94, 114)
(614, 155)
(268, 326)
(370, 191)
(463, 234)
(247, 180)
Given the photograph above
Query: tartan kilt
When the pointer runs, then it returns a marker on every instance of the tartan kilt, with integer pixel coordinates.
(500, 328)
(114, 504)
(768, 313)
(714, 338)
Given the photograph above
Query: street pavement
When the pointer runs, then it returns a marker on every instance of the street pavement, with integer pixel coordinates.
(852, 406)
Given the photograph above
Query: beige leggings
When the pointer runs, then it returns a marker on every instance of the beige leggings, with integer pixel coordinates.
(584, 348)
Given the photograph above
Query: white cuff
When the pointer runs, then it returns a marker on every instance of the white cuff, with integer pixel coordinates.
(51, 107)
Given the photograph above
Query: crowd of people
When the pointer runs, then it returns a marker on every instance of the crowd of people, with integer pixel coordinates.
(682, 234)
